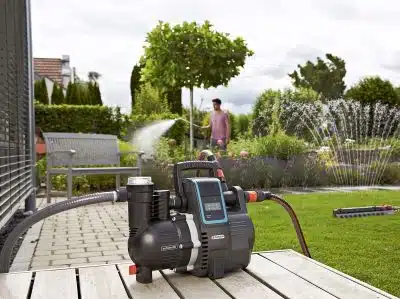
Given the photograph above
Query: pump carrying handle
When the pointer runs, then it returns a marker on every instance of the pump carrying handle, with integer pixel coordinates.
(180, 167)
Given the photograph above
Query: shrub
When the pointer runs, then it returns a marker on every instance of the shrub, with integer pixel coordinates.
(391, 174)
(280, 146)
(150, 100)
(79, 119)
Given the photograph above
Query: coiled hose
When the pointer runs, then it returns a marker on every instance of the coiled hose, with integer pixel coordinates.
(47, 211)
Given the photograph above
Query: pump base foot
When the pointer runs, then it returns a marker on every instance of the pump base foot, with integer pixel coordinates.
(144, 275)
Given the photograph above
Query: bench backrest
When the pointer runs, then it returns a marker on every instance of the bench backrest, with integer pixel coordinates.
(90, 149)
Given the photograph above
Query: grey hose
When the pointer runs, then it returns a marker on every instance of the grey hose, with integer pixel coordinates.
(47, 211)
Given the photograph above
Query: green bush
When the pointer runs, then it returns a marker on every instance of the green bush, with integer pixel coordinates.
(280, 146)
(391, 174)
(79, 119)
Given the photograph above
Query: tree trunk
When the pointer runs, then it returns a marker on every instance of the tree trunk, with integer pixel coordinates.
(191, 122)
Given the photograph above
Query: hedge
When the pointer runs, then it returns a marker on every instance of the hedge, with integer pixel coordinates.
(80, 119)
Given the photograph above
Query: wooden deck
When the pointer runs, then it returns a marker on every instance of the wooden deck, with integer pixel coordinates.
(271, 274)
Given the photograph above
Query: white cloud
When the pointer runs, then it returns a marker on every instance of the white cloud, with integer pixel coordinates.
(107, 36)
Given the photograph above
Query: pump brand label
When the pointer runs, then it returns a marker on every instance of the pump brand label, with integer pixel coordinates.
(218, 237)
(168, 247)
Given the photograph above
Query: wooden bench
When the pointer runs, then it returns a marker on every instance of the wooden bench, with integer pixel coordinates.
(271, 274)
(72, 153)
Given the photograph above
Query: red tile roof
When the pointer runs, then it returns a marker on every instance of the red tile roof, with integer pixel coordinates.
(49, 68)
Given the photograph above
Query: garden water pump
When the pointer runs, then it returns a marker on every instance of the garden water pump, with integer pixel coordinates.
(203, 229)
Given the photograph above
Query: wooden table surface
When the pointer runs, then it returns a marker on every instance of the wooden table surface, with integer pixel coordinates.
(271, 274)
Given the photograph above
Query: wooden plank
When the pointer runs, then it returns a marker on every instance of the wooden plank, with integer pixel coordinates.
(159, 288)
(15, 285)
(288, 284)
(55, 284)
(241, 285)
(101, 282)
(191, 286)
(330, 279)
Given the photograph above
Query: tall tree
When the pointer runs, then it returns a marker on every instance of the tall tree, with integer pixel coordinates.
(97, 95)
(326, 78)
(55, 95)
(135, 82)
(73, 94)
(191, 55)
(40, 90)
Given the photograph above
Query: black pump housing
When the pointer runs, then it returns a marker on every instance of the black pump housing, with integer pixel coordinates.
(197, 231)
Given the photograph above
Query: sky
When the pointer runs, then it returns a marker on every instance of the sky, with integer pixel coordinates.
(107, 36)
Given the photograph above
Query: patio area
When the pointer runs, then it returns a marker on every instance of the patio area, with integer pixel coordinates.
(90, 235)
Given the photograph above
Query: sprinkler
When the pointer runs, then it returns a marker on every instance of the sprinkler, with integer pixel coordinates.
(203, 228)
(365, 211)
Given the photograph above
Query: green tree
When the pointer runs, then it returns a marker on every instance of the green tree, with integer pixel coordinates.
(97, 95)
(372, 90)
(242, 124)
(191, 55)
(73, 93)
(40, 91)
(174, 97)
(57, 95)
(262, 111)
(149, 100)
(326, 78)
(135, 82)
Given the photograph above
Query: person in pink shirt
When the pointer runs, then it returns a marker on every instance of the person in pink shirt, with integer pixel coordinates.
(220, 126)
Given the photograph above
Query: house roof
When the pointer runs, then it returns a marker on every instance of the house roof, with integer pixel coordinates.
(49, 68)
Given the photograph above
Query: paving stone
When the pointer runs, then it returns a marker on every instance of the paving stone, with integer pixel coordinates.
(51, 247)
(84, 254)
(40, 263)
(42, 252)
(98, 249)
(77, 245)
(68, 261)
(51, 257)
(105, 258)
(113, 252)
(72, 242)
(71, 250)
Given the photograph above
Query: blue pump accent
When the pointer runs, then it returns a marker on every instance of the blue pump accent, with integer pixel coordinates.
(225, 220)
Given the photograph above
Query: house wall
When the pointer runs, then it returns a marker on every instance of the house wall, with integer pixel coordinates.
(17, 160)
(66, 71)
(49, 87)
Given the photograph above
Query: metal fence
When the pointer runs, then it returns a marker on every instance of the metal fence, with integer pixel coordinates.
(16, 110)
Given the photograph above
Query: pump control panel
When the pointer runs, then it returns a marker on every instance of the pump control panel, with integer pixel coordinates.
(210, 198)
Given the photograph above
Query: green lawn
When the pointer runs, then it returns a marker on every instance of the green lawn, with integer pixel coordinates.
(365, 248)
